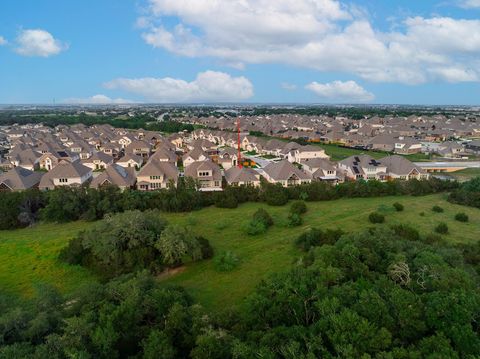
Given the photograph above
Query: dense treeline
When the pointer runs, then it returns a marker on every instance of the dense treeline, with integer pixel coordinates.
(66, 204)
(467, 194)
(382, 293)
(145, 121)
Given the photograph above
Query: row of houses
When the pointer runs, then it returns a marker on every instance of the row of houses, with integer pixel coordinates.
(210, 177)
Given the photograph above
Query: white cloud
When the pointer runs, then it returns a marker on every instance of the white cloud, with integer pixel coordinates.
(37, 42)
(348, 91)
(208, 86)
(3, 41)
(469, 4)
(97, 100)
(319, 34)
(288, 86)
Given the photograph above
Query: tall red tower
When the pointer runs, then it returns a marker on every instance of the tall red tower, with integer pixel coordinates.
(239, 153)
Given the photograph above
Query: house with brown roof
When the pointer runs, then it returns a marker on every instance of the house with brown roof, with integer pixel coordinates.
(139, 148)
(322, 169)
(285, 173)
(66, 174)
(157, 175)
(195, 155)
(304, 153)
(98, 161)
(399, 167)
(18, 179)
(363, 167)
(28, 159)
(115, 175)
(130, 160)
(242, 176)
(207, 174)
(227, 158)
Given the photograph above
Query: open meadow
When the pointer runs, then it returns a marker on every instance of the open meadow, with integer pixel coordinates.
(29, 256)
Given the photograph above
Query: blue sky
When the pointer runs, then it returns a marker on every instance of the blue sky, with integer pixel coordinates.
(313, 51)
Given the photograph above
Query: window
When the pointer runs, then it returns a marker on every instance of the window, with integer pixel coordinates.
(203, 174)
(330, 172)
(217, 183)
(63, 180)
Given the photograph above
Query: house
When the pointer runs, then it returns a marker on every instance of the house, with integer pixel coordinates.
(18, 179)
(227, 158)
(115, 175)
(195, 155)
(28, 159)
(322, 169)
(66, 174)
(450, 149)
(473, 146)
(130, 160)
(48, 160)
(286, 174)
(303, 153)
(207, 174)
(139, 148)
(388, 143)
(363, 167)
(163, 154)
(156, 175)
(242, 176)
(98, 161)
(399, 167)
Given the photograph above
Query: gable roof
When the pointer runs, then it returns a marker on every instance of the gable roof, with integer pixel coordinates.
(157, 168)
(19, 178)
(283, 170)
(241, 174)
(115, 175)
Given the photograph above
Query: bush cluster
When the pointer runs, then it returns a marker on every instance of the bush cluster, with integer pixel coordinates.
(398, 206)
(441, 228)
(226, 261)
(295, 214)
(259, 223)
(437, 209)
(461, 217)
(376, 217)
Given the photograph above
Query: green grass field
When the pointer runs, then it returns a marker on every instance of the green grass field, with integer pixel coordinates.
(28, 256)
(338, 153)
(466, 174)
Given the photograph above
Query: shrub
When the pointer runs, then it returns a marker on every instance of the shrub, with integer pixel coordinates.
(298, 207)
(433, 238)
(225, 200)
(226, 261)
(220, 225)
(255, 227)
(205, 247)
(376, 217)
(398, 206)
(275, 195)
(461, 217)
(422, 214)
(441, 228)
(294, 219)
(407, 232)
(437, 209)
(263, 216)
(316, 237)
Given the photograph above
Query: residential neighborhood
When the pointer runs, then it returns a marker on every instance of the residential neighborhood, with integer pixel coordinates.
(43, 157)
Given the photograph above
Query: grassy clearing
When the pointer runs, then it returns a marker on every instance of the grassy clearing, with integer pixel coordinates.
(338, 153)
(28, 256)
(466, 174)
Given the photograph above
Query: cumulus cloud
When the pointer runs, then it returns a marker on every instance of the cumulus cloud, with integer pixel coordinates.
(3, 41)
(208, 86)
(319, 34)
(97, 100)
(38, 42)
(341, 91)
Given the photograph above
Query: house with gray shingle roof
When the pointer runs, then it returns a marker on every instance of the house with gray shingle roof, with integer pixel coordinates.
(207, 174)
(286, 174)
(18, 179)
(66, 174)
(242, 176)
(115, 175)
(157, 175)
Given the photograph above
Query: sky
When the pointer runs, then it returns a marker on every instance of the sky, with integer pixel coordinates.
(240, 51)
